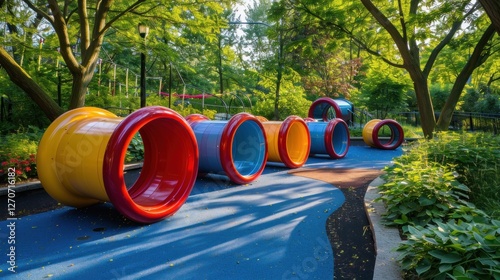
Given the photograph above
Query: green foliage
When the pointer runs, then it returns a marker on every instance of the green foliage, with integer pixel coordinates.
(18, 150)
(23, 143)
(439, 94)
(448, 237)
(418, 192)
(24, 111)
(476, 157)
(384, 91)
(457, 249)
(483, 100)
(135, 150)
(292, 99)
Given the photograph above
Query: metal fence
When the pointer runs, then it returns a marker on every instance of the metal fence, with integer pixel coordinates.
(468, 121)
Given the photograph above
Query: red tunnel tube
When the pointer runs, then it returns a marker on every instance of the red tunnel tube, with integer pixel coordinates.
(289, 141)
(371, 134)
(81, 160)
(331, 138)
(236, 148)
(320, 109)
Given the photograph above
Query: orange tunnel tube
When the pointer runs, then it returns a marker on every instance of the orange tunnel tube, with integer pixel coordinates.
(289, 141)
(81, 158)
(371, 134)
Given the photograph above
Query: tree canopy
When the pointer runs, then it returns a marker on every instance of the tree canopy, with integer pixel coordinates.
(280, 54)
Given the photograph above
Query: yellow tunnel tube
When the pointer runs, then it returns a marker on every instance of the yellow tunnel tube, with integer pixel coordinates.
(288, 141)
(81, 157)
(371, 134)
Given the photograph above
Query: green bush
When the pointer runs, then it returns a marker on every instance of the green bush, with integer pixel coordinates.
(456, 249)
(135, 150)
(426, 195)
(18, 150)
(476, 157)
(418, 192)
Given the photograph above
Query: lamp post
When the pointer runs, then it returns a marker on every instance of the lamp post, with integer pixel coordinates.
(143, 31)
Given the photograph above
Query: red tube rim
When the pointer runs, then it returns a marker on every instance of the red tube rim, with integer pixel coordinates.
(283, 138)
(397, 135)
(226, 149)
(329, 101)
(193, 118)
(152, 197)
(329, 135)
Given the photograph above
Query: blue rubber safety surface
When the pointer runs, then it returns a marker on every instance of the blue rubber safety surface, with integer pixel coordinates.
(273, 228)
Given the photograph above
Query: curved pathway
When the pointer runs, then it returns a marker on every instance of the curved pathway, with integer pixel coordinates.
(273, 228)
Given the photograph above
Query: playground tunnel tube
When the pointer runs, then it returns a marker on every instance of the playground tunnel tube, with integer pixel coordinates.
(236, 148)
(81, 157)
(321, 109)
(288, 141)
(331, 138)
(371, 134)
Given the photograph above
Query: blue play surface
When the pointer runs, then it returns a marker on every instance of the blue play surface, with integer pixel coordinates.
(273, 228)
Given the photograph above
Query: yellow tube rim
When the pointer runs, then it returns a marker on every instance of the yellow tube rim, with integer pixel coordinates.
(294, 142)
(288, 141)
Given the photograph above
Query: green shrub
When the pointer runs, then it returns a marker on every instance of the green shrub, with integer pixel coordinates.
(476, 158)
(418, 192)
(426, 195)
(456, 249)
(135, 150)
(18, 150)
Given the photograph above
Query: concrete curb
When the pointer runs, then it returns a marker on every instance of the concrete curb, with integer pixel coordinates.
(386, 238)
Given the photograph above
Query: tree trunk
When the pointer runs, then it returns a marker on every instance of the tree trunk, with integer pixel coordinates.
(277, 97)
(492, 8)
(79, 88)
(424, 103)
(410, 54)
(23, 80)
(476, 59)
(279, 75)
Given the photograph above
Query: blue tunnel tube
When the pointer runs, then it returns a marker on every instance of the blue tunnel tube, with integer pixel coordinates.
(331, 138)
(237, 148)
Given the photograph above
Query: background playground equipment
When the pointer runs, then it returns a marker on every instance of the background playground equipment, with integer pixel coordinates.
(326, 108)
(288, 141)
(236, 147)
(81, 157)
(331, 138)
(371, 134)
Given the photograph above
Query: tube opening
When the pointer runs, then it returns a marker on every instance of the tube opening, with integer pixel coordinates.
(340, 139)
(135, 155)
(167, 165)
(298, 143)
(169, 168)
(248, 152)
(324, 109)
(394, 137)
